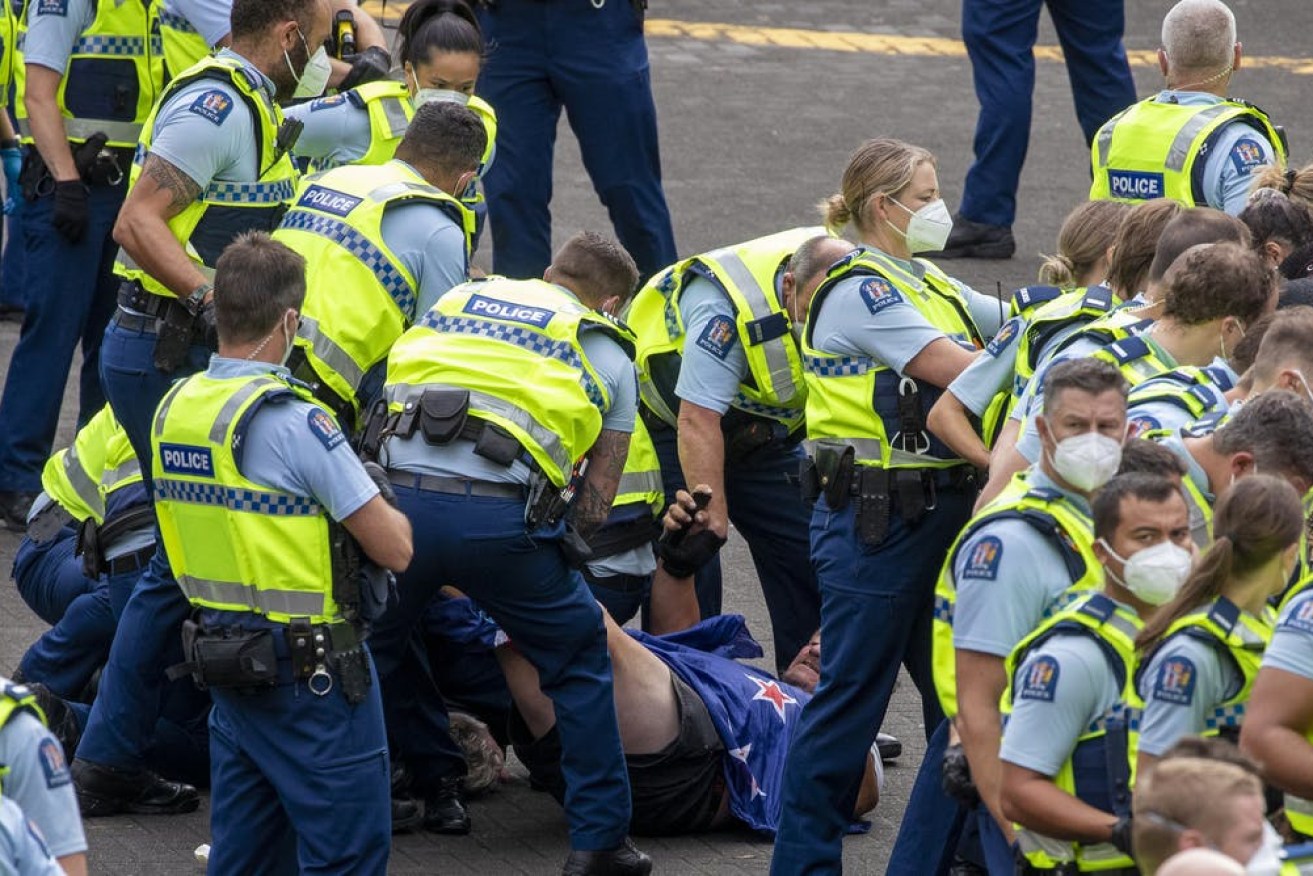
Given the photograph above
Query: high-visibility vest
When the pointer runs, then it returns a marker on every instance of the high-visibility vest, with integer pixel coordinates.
(182, 42)
(16, 698)
(640, 482)
(98, 462)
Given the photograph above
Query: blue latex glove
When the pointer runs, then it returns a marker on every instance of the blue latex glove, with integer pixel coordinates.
(12, 159)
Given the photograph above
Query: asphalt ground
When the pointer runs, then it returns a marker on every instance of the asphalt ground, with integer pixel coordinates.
(761, 103)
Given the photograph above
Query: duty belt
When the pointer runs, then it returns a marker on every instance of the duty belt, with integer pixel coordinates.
(456, 486)
(147, 309)
(133, 561)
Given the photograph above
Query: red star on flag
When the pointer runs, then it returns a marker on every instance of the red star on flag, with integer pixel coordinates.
(772, 693)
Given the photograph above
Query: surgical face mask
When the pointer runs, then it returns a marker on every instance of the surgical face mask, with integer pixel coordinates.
(429, 95)
(929, 227)
(288, 338)
(314, 77)
(1087, 461)
(1156, 573)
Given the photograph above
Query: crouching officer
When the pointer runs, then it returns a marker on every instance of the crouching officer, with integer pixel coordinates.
(246, 465)
(510, 405)
(383, 243)
(1068, 747)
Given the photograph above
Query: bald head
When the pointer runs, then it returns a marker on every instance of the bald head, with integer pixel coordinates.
(1199, 41)
(807, 267)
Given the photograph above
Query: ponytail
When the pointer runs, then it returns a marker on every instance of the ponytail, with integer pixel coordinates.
(1058, 270)
(835, 213)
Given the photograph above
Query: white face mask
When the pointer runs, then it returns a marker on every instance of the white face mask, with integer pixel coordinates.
(1267, 860)
(314, 78)
(288, 338)
(1087, 461)
(1156, 573)
(929, 227)
(428, 95)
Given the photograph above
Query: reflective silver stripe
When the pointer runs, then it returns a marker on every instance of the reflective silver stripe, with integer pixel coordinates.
(1123, 626)
(130, 263)
(327, 351)
(88, 491)
(652, 398)
(640, 482)
(219, 431)
(395, 114)
(165, 405)
(83, 129)
(115, 476)
(870, 449)
(392, 189)
(1061, 851)
(550, 442)
(297, 603)
(1104, 138)
(1180, 149)
(782, 378)
(1299, 806)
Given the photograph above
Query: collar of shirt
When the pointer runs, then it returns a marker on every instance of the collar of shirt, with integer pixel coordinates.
(912, 266)
(1039, 480)
(265, 82)
(1187, 98)
(223, 368)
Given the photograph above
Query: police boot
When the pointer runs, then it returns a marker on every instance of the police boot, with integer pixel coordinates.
(406, 815)
(888, 746)
(624, 860)
(976, 240)
(444, 809)
(59, 718)
(105, 790)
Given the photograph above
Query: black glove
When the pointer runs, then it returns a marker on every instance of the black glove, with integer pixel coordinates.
(70, 217)
(371, 64)
(957, 781)
(1121, 835)
(206, 326)
(380, 479)
(681, 559)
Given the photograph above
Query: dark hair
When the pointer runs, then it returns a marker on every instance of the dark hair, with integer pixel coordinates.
(1106, 508)
(595, 267)
(256, 280)
(1150, 457)
(1295, 293)
(1289, 336)
(444, 136)
(1213, 280)
(1276, 427)
(1191, 228)
(1255, 520)
(1135, 244)
(1093, 376)
(1270, 215)
(1299, 264)
(429, 26)
(251, 18)
(1245, 352)
(808, 260)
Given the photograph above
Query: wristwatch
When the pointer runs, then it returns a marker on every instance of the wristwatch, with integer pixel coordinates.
(194, 301)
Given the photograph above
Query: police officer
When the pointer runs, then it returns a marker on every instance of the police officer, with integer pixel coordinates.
(1068, 747)
(298, 746)
(719, 365)
(36, 778)
(92, 73)
(592, 60)
(383, 242)
(505, 401)
(11, 162)
(22, 848)
(1026, 554)
(885, 332)
(1189, 142)
(1200, 654)
(212, 164)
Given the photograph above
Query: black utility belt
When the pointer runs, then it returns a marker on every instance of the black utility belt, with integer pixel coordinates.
(94, 539)
(176, 328)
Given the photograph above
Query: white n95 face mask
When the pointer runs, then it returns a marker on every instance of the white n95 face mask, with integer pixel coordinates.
(1087, 461)
(314, 78)
(929, 227)
(1155, 574)
(428, 95)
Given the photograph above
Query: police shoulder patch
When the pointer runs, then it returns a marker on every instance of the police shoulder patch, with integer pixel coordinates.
(1175, 681)
(327, 102)
(1138, 424)
(1299, 616)
(719, 336)
(52, 7)
(324, 428)
(1039, 681)
(1005, 336)
(982, 559)
(1247, 154)
(53, 763)
(878, 294)
(213, 105)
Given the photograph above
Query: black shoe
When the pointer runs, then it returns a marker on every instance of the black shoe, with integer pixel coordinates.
(59, 718)
(624, 860)
(14, 505)
(11, 313)
(406, 815)
(104, 790)
(976, 240)
(444, 810)
(888, 746)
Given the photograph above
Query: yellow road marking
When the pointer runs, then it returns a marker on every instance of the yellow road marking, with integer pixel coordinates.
(858, 42)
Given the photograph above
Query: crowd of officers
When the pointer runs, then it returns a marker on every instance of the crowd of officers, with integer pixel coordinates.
(1076, 517)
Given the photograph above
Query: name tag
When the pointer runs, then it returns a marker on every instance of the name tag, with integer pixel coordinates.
(329, 201)
(186, 460)
(1135, 184)
(480, 305)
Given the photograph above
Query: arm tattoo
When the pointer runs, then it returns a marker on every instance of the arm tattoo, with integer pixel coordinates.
(606, 464)
(181, 187)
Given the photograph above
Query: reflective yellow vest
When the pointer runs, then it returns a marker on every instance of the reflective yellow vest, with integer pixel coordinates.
(234, 544)
(360, 296)
(1103, 742)
(16, 698)
(114, 74)
(515, 345)
(1053, 516)
(183, 43)
(205, 227)
(1239, 637)
(640, 482)
(99, 461)
(1192, 389)
(1154, 149)
(854, 399)
(1136, 358)
(748, 274)
(9, 53)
